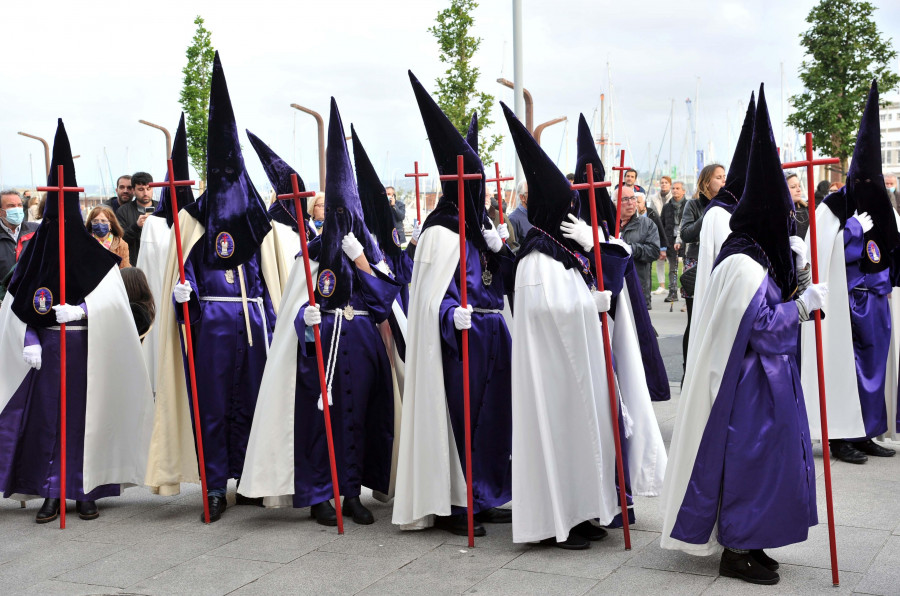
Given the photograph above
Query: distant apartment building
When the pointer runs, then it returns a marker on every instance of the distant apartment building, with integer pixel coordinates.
(890, 137)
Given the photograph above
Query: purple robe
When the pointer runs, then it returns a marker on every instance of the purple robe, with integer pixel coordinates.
(870, 326)
(402, 267)
(490, 381)
(754, 471)
(362, 414)
(229, 370)
(29, 425)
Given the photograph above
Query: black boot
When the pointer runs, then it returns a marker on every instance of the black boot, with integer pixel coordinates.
(217, 507)
(323, 513)
(49, 511)
(672, 297)
(845, 451)
(589, 531)
(870, 447)
(87, 510)
(765, 560)
(573, 542)
(744, 567)
(353, 508)
(494, 515)
(458, 524)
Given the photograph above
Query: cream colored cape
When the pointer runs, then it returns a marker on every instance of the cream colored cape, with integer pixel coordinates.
(152, 261)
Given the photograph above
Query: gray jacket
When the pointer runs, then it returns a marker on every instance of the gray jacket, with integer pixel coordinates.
(643, 237)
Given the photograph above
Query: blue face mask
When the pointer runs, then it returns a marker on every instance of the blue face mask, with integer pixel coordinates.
(100, 230)
(318, 223)
(15, 215)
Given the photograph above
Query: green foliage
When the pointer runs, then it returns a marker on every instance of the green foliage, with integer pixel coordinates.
(844, 52)
(195, 95)
(456, 93)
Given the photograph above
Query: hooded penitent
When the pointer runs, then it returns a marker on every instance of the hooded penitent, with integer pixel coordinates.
(446, 145)
(375, 205)
(737, 172)
(765, 212)
(472, 133)
(343, 214)
(233, 215)
(587, 154)
(35, 283)
(183, 194)
(864, 191)
(279, 174)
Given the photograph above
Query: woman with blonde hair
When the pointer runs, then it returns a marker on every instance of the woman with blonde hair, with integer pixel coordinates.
(316, 209)
(102, 224)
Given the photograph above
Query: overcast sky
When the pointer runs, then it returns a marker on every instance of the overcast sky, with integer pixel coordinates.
(102, 65)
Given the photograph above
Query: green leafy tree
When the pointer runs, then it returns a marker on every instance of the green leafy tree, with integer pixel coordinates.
(195, 95)
(456, 92)
(844, 52)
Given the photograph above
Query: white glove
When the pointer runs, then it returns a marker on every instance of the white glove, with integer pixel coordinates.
(622, 243)
(602, 300)
(417, 231)
(312, 316)
(182, 292)
(66, 313)
(493, 239)
(865, 220)
(578, 231)
(799, 248)
(319, 403)
(814, 296)
(503, 232)
(352, 247)
(32, 356)
(462, 317)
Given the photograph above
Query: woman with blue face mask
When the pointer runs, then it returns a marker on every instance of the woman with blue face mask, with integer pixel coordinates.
(101, 222)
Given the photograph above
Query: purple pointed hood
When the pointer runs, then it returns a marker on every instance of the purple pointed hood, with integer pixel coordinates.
(375, 205)
(587, 154)
(737, 172)
(279, 174)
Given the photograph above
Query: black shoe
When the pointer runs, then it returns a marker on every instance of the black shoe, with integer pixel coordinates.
(458, 524)
(49, 511)
(649, 306)
(240, 499)
(323, 513)
(845, 451)
(588, 531)
(353, 508)
(765, 560)
(744, 567)
(217, 507)
(87, 510)
(494, 515)
(872, 448)
(573, 542)
(672, 297)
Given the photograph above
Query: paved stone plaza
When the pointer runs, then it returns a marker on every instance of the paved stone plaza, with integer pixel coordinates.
(144, 544)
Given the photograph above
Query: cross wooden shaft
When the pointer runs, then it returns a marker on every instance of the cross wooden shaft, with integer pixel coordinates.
(415, 176)
(498, 180)
(295, 195)
(621, 169)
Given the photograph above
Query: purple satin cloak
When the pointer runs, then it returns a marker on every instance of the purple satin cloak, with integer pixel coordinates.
(754, 471)
(229, 371)
(870, 326)
(402, 267)
(29, 425)
(490, 380)
(362, 414)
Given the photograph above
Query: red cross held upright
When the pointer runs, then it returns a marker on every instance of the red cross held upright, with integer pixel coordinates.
(460, 177)
(590, 186)
(809, 162)
(415, 176)
(295, 196)
(621, 169)
(173, 185)
(61, 189)
(498, 180)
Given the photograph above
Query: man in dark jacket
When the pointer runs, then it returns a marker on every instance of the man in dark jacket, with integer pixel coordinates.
(13, 228)
(671, 222)
(398, 211)
(642, 236)
(132, 215)
(124, 193)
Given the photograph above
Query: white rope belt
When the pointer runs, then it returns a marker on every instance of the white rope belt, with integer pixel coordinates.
(243, 300)
(349, 313)
(487, 311)
(69, 327)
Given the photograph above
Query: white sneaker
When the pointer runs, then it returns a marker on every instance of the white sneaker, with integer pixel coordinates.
(661, 290)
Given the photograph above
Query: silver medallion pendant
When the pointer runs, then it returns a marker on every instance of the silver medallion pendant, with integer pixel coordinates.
(487, 277)
(229, 276)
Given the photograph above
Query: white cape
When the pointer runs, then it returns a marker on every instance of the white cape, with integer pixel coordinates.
(713, 234)
(152, 261)
(845, 419)
(717, 316)
(119, 407)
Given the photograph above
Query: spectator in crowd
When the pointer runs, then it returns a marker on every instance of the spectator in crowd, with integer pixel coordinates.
(642, 236)
(890, 184)
(518, 219)
(140, 298)
(103, 225)
(835, 186)
(822, 190)
(316, 209)
(658, 200)
(398, 210)
(492, 206)
(801, 206)
(570, 178)
(124, 193)
(629, 181)
(671, 222)
(13, 227)
(646, 210)
(133, 214)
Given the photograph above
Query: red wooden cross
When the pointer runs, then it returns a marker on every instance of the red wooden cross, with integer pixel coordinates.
(415, 176)
(590, 186)
(809, 162)
(61, 189)
(621, 169)
(460, 177)
(498, 180)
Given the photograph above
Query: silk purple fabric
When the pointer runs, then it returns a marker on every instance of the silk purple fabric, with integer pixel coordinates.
(401, 266)
(754, 471)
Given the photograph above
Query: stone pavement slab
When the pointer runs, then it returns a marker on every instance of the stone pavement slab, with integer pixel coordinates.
(514, 582)
(628, 581)
(883, 576)
(205, 576)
